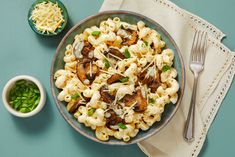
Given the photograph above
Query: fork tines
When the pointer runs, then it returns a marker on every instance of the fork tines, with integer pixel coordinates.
(199, 46)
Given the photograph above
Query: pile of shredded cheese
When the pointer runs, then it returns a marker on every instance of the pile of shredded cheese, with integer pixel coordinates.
(47, 17)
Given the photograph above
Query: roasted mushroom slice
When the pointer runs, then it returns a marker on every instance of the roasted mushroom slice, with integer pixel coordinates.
(131, 39)
(72, 106)
(141, 104)
(87, 50)
(116, 53)
(137, 99)
(105, 96)
(142, 77)
(86, 71)
(81, 72)
(85, 98)
(114, 78)
(152, 82)
(154, 85)
(129, 100)
(112, 118)
(91, 71)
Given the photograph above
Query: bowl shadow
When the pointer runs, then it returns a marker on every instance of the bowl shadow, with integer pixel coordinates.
(37, 123)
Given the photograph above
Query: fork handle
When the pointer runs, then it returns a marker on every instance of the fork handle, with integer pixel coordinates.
(189, 126)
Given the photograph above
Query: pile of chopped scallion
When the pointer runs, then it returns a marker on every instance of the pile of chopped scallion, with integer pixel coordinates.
(24, 96)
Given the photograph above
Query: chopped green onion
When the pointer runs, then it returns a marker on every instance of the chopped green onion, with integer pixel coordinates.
(106, 63)
(95, 33)
(165, 68)
(152, 101)
(24, 110)
(122, 126)
(146, 43)
(20, 82)
(91, 111)
(127, 53)
(124, 79)
(75, 96)
(24, 96)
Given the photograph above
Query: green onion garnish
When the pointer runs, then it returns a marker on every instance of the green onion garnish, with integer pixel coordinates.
(127, 53)
(91, 111)
(124, 79)
(75, 96)
(152, 101)
(95, 33)
(122, 126)
(106, 63)
(146, 43)
(24, 96)
(165, 68)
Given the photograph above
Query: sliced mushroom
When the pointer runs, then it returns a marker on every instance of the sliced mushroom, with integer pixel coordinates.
(91, 71)
(154, 85)
(85, 98)
(141, 104)
(132, 38)
(116, 52)
(105, 96)
(152, 82)
(87, 50)
(113, 118)
(129, 100)
(114, 78)
(73, 106)
(81, 72)
(142, 77)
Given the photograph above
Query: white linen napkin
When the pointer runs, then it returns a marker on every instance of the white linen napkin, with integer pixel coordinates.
(214, 81)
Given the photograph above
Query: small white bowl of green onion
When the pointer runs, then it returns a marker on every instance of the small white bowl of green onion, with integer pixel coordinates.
(23, 96)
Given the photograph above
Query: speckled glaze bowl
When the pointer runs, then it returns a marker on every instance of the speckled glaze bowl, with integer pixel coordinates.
(129, 17)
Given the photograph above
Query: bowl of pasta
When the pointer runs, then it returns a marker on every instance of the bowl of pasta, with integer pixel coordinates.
(117, 77)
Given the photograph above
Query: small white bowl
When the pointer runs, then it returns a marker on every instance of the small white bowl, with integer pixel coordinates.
(8, 87)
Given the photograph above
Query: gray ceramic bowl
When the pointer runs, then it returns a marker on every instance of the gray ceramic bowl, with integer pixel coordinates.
(129, 17)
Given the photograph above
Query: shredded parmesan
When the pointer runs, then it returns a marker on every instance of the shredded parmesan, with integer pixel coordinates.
(115, 56)
(149, 64)
(47, 17)
(111, 73)
(107, 72)
(90, 69)
(125, 112)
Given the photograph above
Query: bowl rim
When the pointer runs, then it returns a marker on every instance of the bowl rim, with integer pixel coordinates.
(64, 13)
(8, 87)
(181, 89)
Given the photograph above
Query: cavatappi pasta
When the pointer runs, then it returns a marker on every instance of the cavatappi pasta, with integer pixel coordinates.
(117, 78)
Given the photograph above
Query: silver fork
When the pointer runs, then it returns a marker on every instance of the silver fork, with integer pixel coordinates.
(197, 59)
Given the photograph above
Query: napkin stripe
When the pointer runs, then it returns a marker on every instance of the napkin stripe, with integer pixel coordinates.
(216, 105)
(211, 86)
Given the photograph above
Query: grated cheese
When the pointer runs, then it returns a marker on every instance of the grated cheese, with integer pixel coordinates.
(47, 17)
